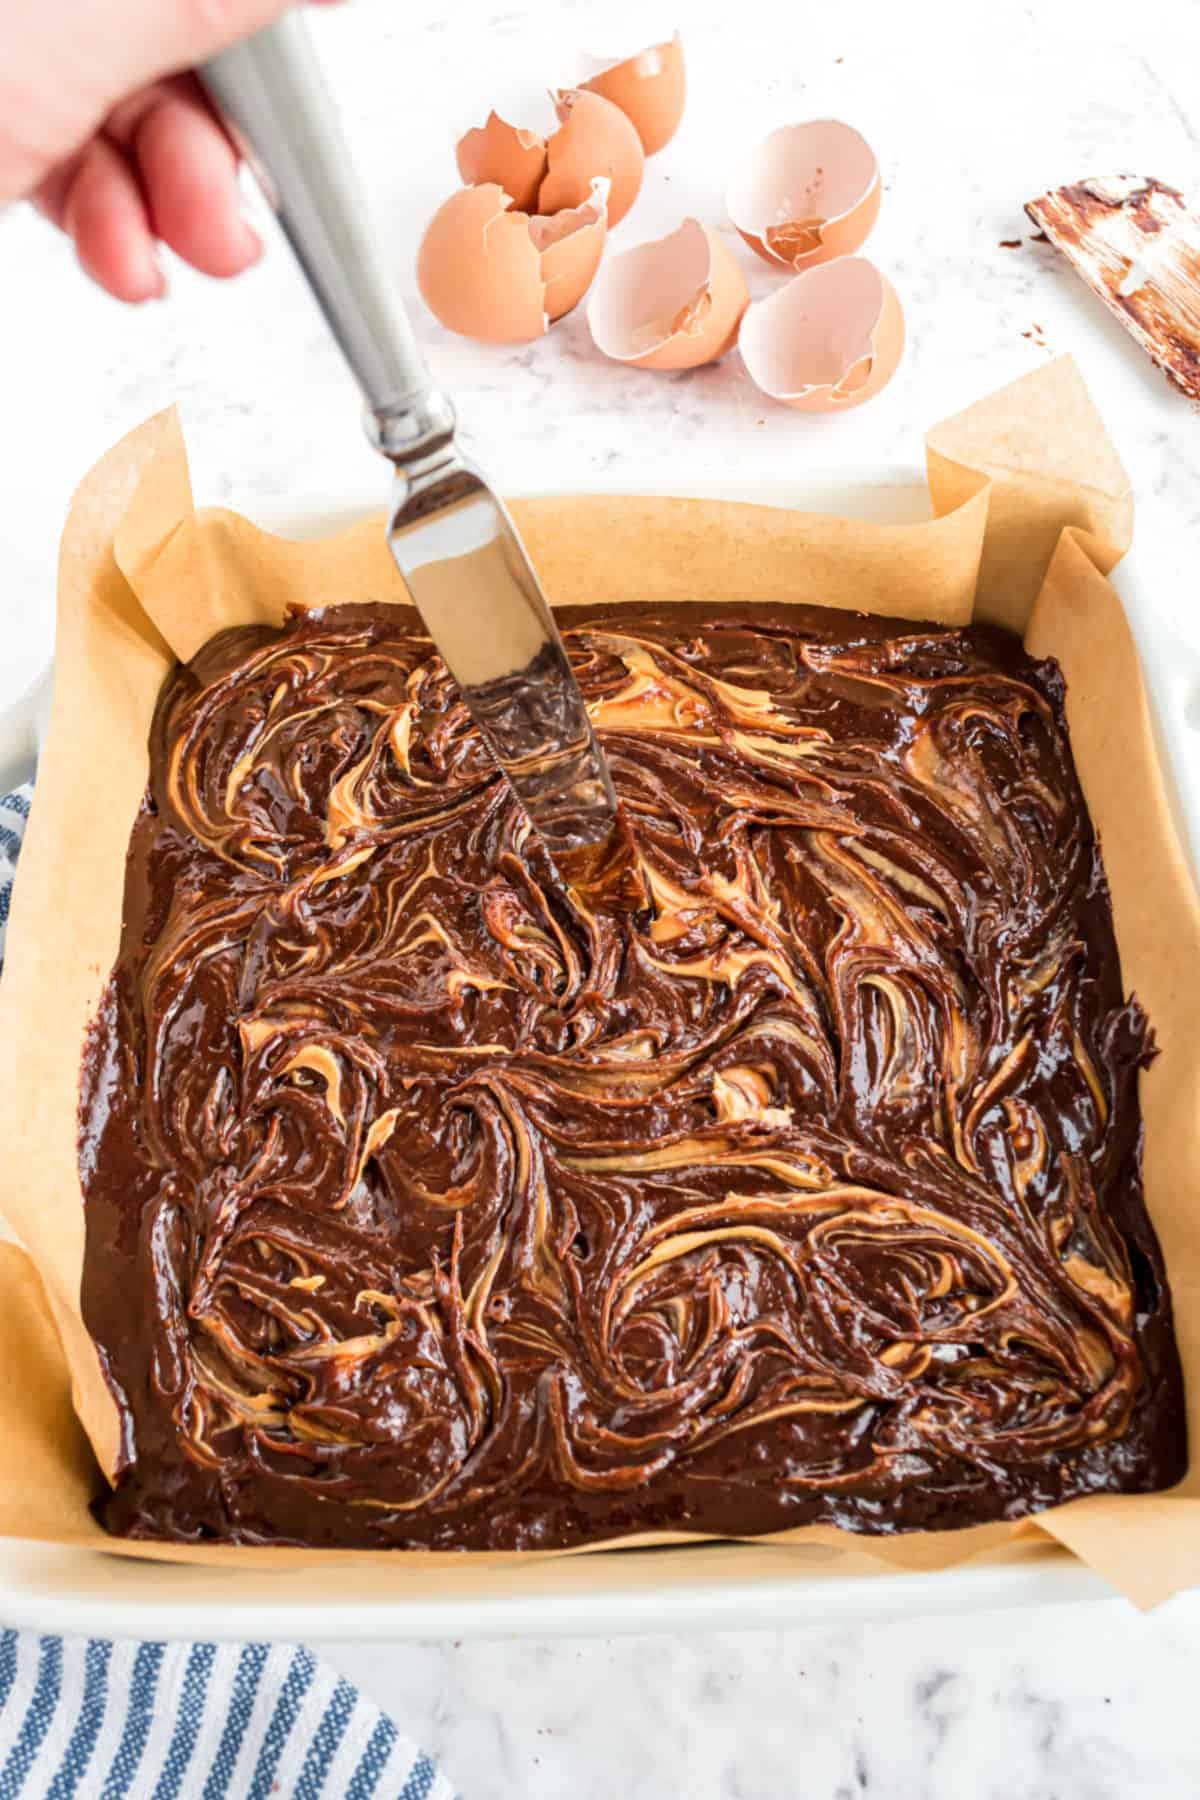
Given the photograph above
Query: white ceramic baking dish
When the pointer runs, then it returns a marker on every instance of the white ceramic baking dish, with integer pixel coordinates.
(683, 1588)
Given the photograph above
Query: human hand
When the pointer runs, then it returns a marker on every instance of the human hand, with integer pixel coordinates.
(113, 144)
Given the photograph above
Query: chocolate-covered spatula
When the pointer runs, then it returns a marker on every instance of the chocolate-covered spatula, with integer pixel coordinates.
(452, 538)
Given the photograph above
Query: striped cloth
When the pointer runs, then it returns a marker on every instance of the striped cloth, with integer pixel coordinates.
(127, 1721)
(14, 810)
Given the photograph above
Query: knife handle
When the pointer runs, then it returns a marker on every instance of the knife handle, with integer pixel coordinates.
(272, 95)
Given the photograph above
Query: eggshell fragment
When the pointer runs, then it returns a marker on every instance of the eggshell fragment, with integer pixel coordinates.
(570, 246)
(671, 304)
(808, 193)
(650, 89)
(827, 340)
(493, 273)
(594, 138)
(503, 153)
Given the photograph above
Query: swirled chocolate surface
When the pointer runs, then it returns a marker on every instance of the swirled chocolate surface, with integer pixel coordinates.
(428, 1204)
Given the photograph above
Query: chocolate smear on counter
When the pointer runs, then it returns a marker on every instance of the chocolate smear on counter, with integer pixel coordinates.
(1136, 242)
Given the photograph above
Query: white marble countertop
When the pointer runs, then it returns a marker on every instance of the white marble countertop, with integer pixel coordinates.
(1053, 1703)
(972, 110)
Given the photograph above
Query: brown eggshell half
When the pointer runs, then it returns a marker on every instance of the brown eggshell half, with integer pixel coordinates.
(570, 246)
(594, 138)
(650, 89)
(826, 341)
(507, 155)
(671, 304)
(808, 193)
(492, 273)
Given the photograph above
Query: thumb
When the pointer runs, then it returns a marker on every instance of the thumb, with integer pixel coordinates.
(136, 42)
(64, 65)
(164, 36)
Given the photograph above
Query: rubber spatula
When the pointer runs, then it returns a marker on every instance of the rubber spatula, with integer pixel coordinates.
(451, 536)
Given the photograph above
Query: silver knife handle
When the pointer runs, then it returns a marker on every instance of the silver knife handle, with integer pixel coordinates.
(271, 93)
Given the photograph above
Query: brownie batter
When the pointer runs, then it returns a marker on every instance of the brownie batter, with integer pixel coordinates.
(431, 1204)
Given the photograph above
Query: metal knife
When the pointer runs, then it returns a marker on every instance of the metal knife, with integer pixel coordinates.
(451, 536)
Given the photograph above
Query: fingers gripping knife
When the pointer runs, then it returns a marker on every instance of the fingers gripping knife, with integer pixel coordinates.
(452, 538)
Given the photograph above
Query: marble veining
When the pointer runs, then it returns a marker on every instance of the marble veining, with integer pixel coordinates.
(972, 112)
(1053, 1703)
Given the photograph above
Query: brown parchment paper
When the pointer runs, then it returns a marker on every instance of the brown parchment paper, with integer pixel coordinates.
(1031, 509)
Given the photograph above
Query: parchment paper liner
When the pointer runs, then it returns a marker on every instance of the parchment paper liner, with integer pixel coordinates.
(1031, 508)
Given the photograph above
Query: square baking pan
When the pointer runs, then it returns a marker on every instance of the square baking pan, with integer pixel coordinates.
(683, 1587)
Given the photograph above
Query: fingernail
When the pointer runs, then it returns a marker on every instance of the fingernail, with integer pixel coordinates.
(252, 244)
(153, 282)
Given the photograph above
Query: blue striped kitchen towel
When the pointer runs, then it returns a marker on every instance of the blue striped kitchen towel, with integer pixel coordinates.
(126, 1721)
(14, 810)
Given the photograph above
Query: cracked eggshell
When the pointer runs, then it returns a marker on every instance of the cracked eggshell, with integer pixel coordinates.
(490, 272)
(826, 341)
(570, 245)
(594, 138)
(506, 154)
(808, 193)
(671, 304)
(650, 89)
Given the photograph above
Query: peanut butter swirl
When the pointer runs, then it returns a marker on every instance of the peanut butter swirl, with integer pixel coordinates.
(432, 1202)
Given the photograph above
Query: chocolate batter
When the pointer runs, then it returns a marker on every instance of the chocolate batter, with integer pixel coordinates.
(430, 1205)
